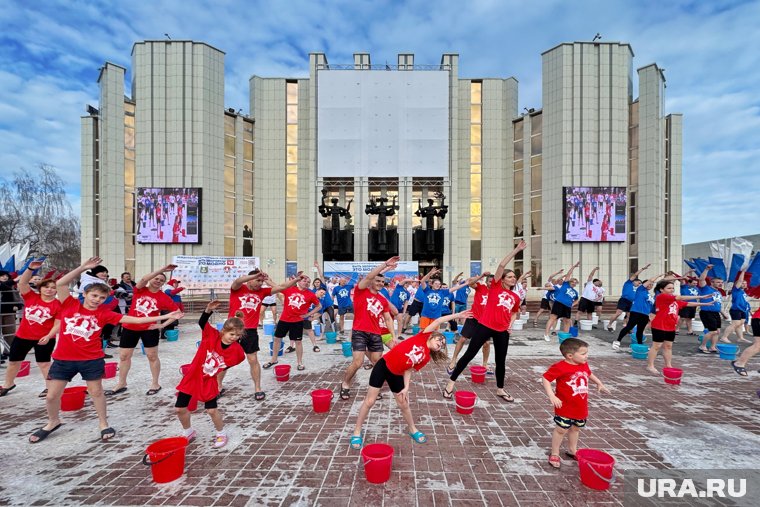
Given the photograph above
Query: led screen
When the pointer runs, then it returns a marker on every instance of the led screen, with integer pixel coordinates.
(168, 215)
(594, 214)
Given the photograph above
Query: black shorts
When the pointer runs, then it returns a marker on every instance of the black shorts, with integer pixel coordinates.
(561, 310)
(269, 305)
(546, 304)
(345, 310)
(738, 314)
(414, 308)
(659, 336)
(756, 327)
(586, 305)
(292, 329)
(250, 341)
(307, 324)
(468, 329)
(711, 320)
(688, 312)
(183, 400)
(92, 369)
(453, 325)
(381, 374)
(362, 341)
(566, 422)
(21, 347)
(624, 305)
(130, 338)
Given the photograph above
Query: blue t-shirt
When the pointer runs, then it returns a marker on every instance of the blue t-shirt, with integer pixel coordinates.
(384, 292)
(399, 297)
(565, 294)
(326, 300)
(629, 291)
(342, 294)
(739, 300)
(460, 296)
(688, 290)
(432, 302)
(717, 299)
(448, 297)
(642, 300)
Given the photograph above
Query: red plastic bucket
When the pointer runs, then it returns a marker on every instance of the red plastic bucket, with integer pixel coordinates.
(320, 399)
(111, 369)
(166, 458)
(24, 370)
(478, 374)
(465, 401)
(596, 468)
(672, 375)
(282, 372)
(73, 398)
(378, 460)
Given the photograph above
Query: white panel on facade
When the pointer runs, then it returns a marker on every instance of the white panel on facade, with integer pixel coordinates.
(382, 123)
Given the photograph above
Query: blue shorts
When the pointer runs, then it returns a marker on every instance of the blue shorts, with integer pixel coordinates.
(92, 369)
(345, 310)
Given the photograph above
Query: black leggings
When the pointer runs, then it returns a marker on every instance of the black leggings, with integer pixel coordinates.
(639, 320)
(500, 345)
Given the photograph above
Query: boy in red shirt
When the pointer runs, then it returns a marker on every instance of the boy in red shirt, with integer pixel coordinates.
(571, 399)
(667, 308)
(395, 368)
(217, 352)
(79, 349)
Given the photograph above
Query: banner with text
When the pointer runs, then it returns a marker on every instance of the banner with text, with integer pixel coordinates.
(211, 272)
(352, 270)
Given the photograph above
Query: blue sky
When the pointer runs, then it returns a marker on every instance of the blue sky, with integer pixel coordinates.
(50, 53)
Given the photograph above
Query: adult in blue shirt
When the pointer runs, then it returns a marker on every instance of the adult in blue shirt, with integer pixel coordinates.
(738, 310)
(687, 314)
(626, 297)
(565, 296)
(643, 300)
(548, 297)
(342, 294)
(435, 298)
(710, 315)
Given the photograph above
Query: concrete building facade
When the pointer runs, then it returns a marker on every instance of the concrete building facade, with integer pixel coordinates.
(504, 181)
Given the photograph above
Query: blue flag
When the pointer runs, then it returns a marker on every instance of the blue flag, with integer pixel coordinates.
(701, 265)
(691, 265)
(719, 268)
(754, 268)
(737, 261)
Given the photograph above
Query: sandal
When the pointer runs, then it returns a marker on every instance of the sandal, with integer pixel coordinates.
(356, 442)
(111, 392)
(259, 396)
(345, 393)
(418, 437)
(290, 348)
(107, 434)
(6, 390)
(447, 394)
(41, 434)
(268, 365)
(151, 392)
(380, 396)
(449, 370)
(506, 397)
(315, 348)
(300, 367)
(739, 370)
(554, 461)
(43, 393)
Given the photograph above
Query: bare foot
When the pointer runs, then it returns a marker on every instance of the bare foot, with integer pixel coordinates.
(745, 340)
(653, 370)
(724, 339)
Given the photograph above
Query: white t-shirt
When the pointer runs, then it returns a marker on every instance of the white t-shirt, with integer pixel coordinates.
(520, 291)
(593, 293)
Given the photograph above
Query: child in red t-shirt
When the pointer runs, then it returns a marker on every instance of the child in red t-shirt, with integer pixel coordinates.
(667, 305)
(218, 351)
(395, 368)
(571, 399)
(79, 351)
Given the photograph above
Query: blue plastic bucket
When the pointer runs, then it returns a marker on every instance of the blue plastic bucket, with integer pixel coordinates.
(633, 338)
(728, 351)
(331, 337)
(172, 335)
(574, 331)
(449, 337)
(318, 329)
(562, 336)
(415, 329)
(639, 351)
(269, 329)
(282, 347)
(347, 352)
(459, 328)
(219, 326)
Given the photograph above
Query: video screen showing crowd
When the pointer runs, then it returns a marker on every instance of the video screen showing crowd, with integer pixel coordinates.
(168, 215)
(595, 214)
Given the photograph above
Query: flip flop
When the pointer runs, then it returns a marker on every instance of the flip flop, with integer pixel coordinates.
(418, 437)
(300, 367)
(570, 455)
(107, 434)
(43, 394)
(290, 349)
(369, 366)
(111, 392)
(448, 394)
(268, 365)
(6, 390)
(345, 393)
(259, 396)
(449, 371)
(315, 348)
(151, 392)
(221, 393)
(506, 397)
(356, 442)
(41, 434)
(739, 370)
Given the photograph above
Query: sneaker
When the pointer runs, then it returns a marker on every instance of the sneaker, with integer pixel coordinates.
(547, 338)
(615, 345)
(220, 441)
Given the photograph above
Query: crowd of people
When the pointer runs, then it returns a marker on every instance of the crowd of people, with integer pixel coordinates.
(70, 332)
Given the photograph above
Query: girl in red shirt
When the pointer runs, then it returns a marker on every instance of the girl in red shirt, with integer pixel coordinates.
(478, 304)
(37, 327)
(218, 352)
(79, 349)
(395, 368)
(667, 306)
(494, 323)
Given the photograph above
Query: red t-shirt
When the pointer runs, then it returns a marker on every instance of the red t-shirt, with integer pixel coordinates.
(297, 303)
(148, 304)
(410, 353)
(79, 337)
(502, 302)
(210, 359)
(368, 309)
(756, 315)
(249, 302)
(666, 310)
(479, 301)
(572, 388)
(39, 316)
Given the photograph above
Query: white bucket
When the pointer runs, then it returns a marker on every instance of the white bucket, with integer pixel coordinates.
(558, 327)
(594, 319)
(586, 325)
(268, 315)
(525, 316)
(348, 324)
(697, 326)
(605, 323)
(517, 325)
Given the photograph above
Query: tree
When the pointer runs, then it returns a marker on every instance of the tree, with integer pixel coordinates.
(34, 208)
